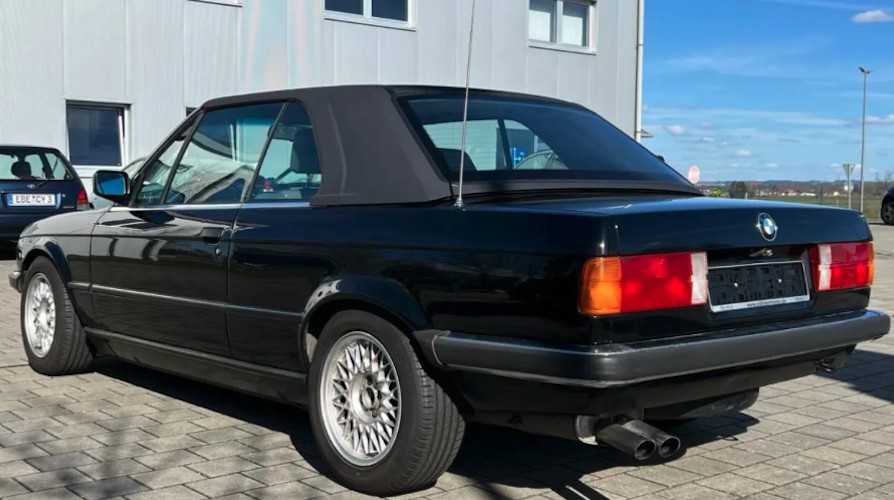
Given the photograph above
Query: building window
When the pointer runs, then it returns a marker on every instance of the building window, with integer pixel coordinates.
(95, 134)
(562, 22)
(388, 10)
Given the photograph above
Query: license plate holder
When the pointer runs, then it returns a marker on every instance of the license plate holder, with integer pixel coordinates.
(31, 199)
(750, 286)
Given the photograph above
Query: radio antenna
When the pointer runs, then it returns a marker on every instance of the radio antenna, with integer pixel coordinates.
(462, 157)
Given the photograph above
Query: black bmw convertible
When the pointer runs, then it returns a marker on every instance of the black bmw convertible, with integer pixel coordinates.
(311, 246)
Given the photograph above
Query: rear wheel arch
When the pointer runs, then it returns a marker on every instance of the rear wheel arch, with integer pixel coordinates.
(315, 321)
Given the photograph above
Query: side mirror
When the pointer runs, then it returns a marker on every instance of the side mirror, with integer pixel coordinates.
(112, 185)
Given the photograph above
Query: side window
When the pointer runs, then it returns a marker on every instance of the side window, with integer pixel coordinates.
(156, 175)
(291, 168)
(222, 155)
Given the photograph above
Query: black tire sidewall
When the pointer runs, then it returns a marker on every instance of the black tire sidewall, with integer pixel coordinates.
(400, 456)
(888, 221)
(57, 356)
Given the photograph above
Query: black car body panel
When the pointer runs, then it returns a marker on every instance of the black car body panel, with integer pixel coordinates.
(235, 293)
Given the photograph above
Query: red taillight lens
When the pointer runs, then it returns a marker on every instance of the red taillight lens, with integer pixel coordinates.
(83, 201)
(615, 285)
(838, 266)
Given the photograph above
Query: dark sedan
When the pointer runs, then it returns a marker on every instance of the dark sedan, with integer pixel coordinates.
(312, 246)
(35, 183)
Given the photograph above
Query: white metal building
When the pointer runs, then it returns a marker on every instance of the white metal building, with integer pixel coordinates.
(106, 80)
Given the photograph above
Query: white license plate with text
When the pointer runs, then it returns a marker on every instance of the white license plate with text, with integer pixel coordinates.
(31, 200)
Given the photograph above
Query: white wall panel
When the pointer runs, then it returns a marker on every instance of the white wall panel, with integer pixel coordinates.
(355, 57)
(263, 47)
(95, 50)
(437, 39)
(155, 83)
(211, 50)
(306, 43)
(510, 32)
(32, 107)
(397, 56)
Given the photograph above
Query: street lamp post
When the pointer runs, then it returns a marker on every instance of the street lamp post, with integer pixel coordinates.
(863, 138)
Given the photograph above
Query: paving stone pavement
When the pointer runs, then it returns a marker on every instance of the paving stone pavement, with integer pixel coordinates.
(128, 432)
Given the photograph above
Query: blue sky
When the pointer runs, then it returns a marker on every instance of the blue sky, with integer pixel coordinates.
(769, 89)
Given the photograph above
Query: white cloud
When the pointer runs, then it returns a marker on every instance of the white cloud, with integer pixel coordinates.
(871, 95)
(814, 121)
(708, 139)
(770, 60)
(743, 153)
(675, 129)
(771, 165)
(873, 16)
(880, 120)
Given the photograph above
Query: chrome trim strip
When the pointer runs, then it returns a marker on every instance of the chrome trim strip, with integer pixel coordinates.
(274, 204)
(161, 208)
(221, 206)
(213, 305)
(79, 285)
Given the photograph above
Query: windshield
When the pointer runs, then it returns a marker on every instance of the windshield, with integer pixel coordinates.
(33, 164)
(526, 139)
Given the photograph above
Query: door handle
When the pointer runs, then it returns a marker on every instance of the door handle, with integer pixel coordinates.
(211, 235)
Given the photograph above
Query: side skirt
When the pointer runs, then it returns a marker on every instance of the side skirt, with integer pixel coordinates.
(273, 383)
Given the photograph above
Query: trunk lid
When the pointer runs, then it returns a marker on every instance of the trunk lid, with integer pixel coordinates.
(668, 224)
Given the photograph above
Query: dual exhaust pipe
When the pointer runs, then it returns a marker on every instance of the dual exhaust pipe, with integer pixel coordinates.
(631, 437)
(637, 439)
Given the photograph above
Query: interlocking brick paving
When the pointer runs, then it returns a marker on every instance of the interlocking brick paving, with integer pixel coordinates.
(128, 432)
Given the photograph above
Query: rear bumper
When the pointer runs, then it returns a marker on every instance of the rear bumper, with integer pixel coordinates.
(618, 365)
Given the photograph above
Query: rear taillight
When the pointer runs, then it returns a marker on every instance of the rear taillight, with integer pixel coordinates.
(617, 285)
(838, 266)
(83, 201)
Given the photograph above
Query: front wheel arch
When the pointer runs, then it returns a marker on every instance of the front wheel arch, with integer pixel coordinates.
(50, 250)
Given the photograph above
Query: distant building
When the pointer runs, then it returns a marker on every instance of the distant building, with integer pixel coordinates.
(106, 80)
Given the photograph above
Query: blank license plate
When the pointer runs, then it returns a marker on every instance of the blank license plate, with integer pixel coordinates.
(757, 285)
(31, 200)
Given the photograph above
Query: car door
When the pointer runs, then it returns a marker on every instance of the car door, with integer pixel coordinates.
(272, 274)
(159, 265)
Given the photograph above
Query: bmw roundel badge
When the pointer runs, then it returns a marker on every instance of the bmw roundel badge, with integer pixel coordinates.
(767, 227)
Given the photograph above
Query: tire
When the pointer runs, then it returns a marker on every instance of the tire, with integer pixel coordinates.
(52, 334)
(888, 213)
(428, 427)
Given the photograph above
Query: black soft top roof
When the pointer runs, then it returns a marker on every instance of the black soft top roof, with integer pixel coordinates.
(369, 153)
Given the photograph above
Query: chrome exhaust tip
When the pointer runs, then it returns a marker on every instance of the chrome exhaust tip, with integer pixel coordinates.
(627, 441)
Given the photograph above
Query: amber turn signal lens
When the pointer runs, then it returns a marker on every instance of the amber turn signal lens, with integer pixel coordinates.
(615, 285)
(601, 288)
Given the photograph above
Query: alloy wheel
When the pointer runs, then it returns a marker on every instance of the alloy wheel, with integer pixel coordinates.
(360, 399)
(40, 315)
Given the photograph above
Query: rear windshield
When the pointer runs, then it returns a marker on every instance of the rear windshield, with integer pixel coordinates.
(519, 139)
(31, 164)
